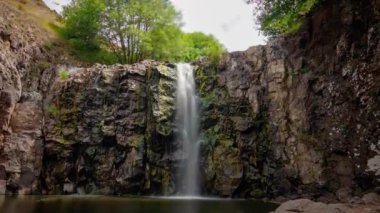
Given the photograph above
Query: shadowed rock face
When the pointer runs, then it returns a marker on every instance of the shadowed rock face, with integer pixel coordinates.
(109, 130)
(297, 117)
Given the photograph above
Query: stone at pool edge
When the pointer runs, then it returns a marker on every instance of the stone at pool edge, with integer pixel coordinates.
(308, 206)
(371, 201)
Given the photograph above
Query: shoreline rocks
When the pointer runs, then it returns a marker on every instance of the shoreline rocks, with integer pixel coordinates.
(369, 203)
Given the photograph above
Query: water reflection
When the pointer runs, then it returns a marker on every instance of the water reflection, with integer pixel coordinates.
(77, 204)
(186, 206)
(12, 205)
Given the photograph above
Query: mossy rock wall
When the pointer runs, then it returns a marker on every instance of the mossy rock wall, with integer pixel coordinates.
(108, 129)
(236, 140)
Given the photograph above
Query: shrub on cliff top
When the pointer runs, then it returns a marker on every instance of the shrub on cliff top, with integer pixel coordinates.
(198, 45)
(282, 16)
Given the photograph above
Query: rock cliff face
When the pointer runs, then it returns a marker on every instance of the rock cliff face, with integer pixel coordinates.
(23, 59)
(298, 117)
(108, 130)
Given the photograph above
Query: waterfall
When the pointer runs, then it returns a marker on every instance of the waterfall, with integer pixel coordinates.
(187, 121)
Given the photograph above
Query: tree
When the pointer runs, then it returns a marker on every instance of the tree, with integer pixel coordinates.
(282, 16)
(135, 30)
(199, 45)
(164, 43)
(131, 26)
(82, 22)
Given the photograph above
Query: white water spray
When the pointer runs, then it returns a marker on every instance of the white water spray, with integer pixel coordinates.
(187, 120)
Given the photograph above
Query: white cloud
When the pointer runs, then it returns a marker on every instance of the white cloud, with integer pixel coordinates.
(231, 21)
(56, 4)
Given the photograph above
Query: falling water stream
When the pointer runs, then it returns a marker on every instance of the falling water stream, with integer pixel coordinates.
(187, 121)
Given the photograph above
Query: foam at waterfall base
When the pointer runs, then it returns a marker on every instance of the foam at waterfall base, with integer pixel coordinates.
(191, 198)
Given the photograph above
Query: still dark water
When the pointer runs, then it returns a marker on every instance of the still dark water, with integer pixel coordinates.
(77, 204)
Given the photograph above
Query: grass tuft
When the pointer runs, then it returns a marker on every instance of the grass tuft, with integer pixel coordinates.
(64, 75)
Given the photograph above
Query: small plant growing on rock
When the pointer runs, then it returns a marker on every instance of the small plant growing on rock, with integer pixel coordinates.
(43, 65)
(48, 45)
(64, 74)
(305, 70)
(40, 3)
(35, 73)
(20, 7)
(53, 110)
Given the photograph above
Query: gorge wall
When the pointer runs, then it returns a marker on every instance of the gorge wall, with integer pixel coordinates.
(298, 117)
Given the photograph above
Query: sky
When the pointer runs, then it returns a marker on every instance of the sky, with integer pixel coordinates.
(230, 21)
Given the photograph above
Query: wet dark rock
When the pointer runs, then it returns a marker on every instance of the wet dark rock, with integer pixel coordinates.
(107, 153)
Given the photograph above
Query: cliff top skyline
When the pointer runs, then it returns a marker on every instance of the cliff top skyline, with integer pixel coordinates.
(231, 21)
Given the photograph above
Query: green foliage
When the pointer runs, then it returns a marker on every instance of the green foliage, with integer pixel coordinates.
(139, 29)
(199, 45)
(38, 68)
(164, 44)
(258, 193)
(130, 31)
(48, 45)
(83, 21)
(82, 24)
(20, 7)
(305, 70)
(184, 47)
(211, 137)
(96, 56)
(64, 75)
(43, 65)
(282, 16)
(52, 109)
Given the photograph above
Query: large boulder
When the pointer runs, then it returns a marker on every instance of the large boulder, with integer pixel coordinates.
(309, 206)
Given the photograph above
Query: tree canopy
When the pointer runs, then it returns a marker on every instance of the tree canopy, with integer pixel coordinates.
(282, 16)
(198, 44)
(134, 30)
(82, 22)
